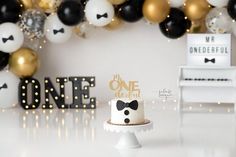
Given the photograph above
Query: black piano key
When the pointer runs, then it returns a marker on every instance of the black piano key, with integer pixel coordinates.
(206, 79)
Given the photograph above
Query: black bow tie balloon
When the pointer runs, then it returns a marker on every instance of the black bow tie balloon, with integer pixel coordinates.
(4, 86)
(120, 105)
(4, 40)
(93, 10)
(9, 84)
(103, 15)
(59, 31)
(11, 37)
(56, 31)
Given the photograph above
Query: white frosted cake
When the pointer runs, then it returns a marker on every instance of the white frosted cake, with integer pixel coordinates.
(127, 112)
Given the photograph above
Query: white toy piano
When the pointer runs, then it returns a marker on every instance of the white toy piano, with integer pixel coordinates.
(201, 84)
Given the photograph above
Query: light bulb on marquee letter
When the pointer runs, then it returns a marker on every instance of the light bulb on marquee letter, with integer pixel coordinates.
(81, 92)
(59, 99)
(23, 93)
(80, 89)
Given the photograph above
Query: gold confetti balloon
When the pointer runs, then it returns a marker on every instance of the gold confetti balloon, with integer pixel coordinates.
(219, 21)
(24, 62)
(32, 23)
(83, 29)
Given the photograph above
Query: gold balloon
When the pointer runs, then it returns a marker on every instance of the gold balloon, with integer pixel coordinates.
(48, 5)
(117, 2)
(28, 4)
(198, 27)
(156, 11)
(196, 9)
(114, 24)
(24, 62)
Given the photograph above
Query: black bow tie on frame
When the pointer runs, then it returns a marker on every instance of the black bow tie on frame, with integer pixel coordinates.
(120, 105)
(105, 15)
(58, 31)
(3, 86)
(6, 39)
(206, 60)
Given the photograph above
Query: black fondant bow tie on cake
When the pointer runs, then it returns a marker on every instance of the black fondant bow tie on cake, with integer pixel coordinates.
(213, 60)
(59, 31)
(3, 86)
(6, 39)
(105, 15)
(120, 105)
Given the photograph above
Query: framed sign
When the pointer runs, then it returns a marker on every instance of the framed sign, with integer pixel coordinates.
(209, 49)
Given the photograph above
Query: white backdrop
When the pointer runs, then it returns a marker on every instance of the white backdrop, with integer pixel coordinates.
(136, 51)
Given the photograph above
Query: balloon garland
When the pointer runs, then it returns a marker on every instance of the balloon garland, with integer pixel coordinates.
(32, 22)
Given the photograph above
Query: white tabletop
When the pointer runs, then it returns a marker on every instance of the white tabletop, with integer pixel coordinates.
(200, 131)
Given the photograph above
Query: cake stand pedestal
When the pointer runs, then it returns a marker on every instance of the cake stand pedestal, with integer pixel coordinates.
(128, 138)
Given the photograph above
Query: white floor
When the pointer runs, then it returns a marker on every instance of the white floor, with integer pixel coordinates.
(199, 131)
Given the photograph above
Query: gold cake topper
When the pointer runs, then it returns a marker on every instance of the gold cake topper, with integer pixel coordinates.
(123, 89)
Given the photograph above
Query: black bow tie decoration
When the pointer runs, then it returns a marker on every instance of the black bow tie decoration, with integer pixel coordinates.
(105, 15)
(58, 31)
(206, 60)
(120, 105)
(6, 39)
(3, 86)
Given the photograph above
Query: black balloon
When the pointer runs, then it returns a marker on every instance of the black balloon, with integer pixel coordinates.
(131, 11)
(4, 57)
(232, 8)
(83, 2)
(71, 12)
(10, 11)
(175, 25)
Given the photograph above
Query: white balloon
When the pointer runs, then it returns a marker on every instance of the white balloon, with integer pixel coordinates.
(176, 3)
(8, 89)
(218, 21)
(11, 37)
(99, 12)
(56, 31)
(218, 3)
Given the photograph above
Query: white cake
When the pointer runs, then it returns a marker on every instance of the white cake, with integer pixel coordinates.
(127, 112)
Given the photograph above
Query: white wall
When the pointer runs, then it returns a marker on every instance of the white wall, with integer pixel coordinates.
(135, 51)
